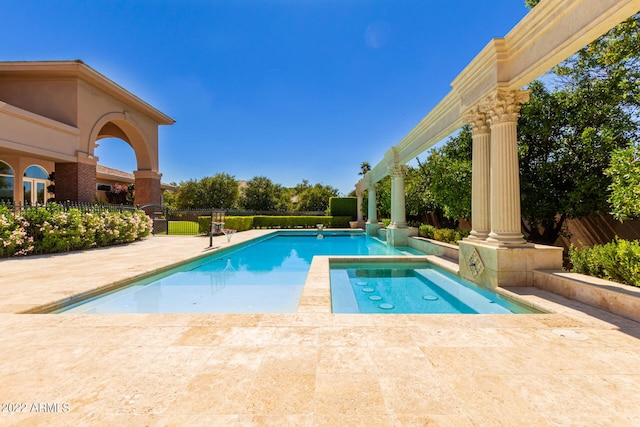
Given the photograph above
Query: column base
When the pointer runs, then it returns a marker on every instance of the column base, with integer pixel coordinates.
(372, 228)
(492, 265)
(506, 239)
(478, 235)
(400, 236)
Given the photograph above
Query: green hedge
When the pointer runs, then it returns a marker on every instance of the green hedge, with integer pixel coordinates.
(618, 261)
(300, 221)
(340, 221)
(238, 223)
(242, 223)
(344, 206)
(426, 230)
(445, 235)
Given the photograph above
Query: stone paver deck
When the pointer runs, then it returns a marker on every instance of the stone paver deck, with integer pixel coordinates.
(576, 366)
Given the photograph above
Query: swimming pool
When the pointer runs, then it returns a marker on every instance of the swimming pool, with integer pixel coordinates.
(266, 275)
(411, 288)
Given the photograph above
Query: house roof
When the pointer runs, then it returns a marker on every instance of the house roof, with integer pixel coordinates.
(112, 174)
(77, 68)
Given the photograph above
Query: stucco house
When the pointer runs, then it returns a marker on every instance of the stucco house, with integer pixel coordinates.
(52, 113)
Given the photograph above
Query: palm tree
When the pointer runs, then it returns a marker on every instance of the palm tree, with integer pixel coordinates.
(364, 168)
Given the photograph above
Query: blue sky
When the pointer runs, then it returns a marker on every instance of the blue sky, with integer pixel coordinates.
(287, 89)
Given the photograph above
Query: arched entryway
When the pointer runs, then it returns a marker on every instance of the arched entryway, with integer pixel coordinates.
(53, 112)
(124, 127)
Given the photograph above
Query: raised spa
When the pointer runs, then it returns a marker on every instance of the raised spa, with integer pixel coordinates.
(374, 287)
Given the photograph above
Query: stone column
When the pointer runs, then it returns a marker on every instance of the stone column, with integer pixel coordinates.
(371, 226)
(503, 108)
(398, 216)
(372, 211)
(359, 206)
(147, 187)
(480, 174)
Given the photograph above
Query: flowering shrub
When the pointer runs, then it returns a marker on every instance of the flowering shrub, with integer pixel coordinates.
(51, 229)
(13, 237)
(121, 194)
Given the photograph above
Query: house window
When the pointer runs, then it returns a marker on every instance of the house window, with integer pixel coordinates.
(35, 182)
(6, 183)
(103, 187)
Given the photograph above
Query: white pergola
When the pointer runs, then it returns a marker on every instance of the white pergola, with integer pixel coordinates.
(487, 95)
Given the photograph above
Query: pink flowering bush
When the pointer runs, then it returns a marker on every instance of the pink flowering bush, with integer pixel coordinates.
(51, 229)
(14, 239)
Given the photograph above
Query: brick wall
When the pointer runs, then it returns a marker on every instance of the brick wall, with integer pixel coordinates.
(75, 182)
(148, 191)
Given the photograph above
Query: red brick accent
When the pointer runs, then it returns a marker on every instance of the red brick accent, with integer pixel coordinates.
(75, 182)
(148, 191)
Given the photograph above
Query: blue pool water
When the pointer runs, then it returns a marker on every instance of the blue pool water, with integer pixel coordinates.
(419, 288)
(263, 276)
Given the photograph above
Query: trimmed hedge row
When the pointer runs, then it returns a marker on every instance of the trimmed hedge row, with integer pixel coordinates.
(344, 206)
(618, 261)
(242, 223)
(446, 235)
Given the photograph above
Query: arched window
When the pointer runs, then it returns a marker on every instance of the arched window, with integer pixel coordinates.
(6, 183)
(35, 182)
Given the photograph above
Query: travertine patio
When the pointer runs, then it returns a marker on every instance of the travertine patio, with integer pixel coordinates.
(576, 366)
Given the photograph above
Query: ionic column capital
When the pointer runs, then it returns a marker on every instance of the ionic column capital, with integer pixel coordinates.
(504, 105)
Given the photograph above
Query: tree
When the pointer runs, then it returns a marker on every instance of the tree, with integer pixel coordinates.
(566, 137)
(189, 195)
(169, 199)
(419, 201)
(448, 176)
(565, 144)
(262, 195)
(219, 191)
(624, 171)
(383, 197)
(364, 168)
(314, 198)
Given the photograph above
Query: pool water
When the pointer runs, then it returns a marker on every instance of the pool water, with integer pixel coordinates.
(263, 276)
(419, 288)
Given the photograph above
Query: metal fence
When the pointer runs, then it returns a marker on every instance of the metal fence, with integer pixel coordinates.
(65, 206)
(165, 221)
(185, 221)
